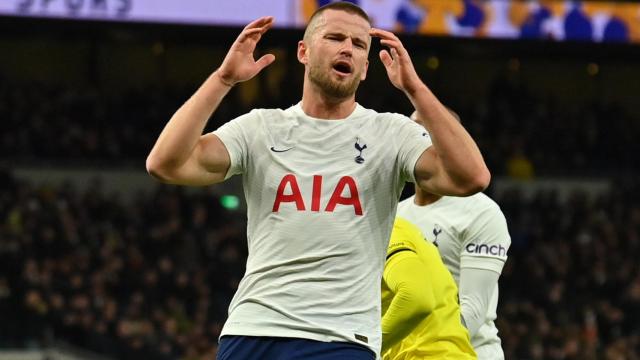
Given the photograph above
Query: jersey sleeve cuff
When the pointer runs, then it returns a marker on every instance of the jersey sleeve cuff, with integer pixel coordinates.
(233, 156)
(486, 263)
(420, 149)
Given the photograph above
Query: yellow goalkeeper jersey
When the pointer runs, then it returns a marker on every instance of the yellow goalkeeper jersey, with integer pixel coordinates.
(420, 310)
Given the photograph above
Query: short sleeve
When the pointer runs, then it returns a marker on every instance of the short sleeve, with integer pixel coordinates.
(235, 137)
(486, 241)
(412, 140)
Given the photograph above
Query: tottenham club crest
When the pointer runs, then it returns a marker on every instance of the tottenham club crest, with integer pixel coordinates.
(436, 231)
(360, 148)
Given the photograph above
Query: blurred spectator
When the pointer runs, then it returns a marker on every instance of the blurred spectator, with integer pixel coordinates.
(519, 167)
(117, 278)
(153, 278)
(519, 133)
(570, 289)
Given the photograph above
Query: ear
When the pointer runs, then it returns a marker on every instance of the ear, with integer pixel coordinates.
(302, 52)
(364, 73)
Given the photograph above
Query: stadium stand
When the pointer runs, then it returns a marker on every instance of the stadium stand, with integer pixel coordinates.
(149, 275)
(152, 278)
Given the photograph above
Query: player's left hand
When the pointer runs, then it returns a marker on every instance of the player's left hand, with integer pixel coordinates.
(397, 61)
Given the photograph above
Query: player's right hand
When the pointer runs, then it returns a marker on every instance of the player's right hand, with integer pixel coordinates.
(397, 61)
(239, 64)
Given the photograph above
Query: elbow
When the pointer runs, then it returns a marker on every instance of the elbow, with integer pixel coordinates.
(477, 183)
(483, 179)
(480, 181)
(423, 310)
(424, 304)
(420, 302)
(158, 169)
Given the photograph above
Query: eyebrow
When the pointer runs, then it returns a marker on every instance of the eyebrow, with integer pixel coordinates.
(356, 40)
(360, 42)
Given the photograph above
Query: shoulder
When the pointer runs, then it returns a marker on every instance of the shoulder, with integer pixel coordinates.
(407, 210)
(486, 222)
(485, 207)
(484, 200)
(270, 119)
(395, 120)
(406, 227)
(475, 204)
(406, 203)
(382, 118)
(259, 115)
(271, 113)
(404, 236)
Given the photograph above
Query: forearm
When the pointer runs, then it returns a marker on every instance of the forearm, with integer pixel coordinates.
(400, 319)
(460, 156)
(412, 302)
(181, 134)
(476, 289)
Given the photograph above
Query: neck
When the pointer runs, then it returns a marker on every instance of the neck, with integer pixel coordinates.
(318, 105)
(424, 198)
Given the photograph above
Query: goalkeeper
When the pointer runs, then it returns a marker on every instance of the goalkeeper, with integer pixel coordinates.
(420, 314)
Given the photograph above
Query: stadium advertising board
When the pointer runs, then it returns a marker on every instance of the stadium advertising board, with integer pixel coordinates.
(598, 21)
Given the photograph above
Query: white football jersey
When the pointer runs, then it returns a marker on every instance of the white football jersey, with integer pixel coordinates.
(321, 200)
(470, 232)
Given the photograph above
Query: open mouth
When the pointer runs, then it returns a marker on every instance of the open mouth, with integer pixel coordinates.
(342, 67)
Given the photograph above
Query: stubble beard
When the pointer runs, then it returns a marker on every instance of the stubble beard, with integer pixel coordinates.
(331, 87)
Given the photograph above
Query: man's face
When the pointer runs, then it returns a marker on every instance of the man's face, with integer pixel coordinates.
(336, 55)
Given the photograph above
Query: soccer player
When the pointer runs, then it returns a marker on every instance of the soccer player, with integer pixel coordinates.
(421, 314)
(321, 181)
(473, 239)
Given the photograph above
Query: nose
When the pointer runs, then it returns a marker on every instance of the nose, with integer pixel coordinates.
(347, 47)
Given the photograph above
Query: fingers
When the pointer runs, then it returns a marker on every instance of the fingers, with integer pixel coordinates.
(397, 61)
(392, 44)
(386, 59)
(389, 39)
(251, 33)
(256, 28)
(383, 34)
(260, 22)
(265, 61)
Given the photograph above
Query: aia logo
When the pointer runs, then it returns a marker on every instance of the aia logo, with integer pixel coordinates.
(289, 183)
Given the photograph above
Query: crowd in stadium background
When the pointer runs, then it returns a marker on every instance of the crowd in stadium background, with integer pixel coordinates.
(152, 279)
(510, 124)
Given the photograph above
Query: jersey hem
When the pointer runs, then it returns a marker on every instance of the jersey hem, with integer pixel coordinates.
(251, 330)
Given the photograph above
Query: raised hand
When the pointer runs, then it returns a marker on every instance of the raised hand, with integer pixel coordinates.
(239, 64)
(397, 61)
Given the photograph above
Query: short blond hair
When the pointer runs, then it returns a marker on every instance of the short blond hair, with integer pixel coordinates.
(314, 20)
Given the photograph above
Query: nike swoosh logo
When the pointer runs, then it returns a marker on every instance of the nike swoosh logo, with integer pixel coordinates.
(273, 148)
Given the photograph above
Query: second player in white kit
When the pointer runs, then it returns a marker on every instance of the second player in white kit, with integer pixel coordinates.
(473, 239)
